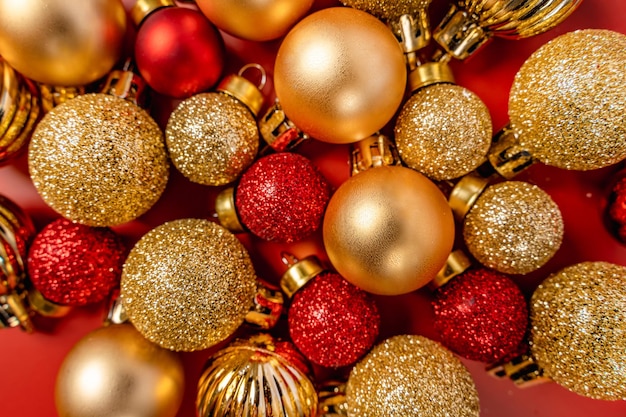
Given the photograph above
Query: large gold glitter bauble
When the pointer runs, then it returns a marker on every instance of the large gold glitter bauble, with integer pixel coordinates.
(578, 318)
(188, 284)
(443, 131)
(340, 75)
(59, 42)
(567, 100)
(98, 160)
(514, 227)
(250, 378)
(388, 230)
(114, 371)
(411, 376)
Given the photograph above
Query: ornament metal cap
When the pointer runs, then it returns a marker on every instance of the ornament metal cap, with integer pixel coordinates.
(142, 8)
(299, 272)
(523, 370)
(332, 399)
(45, 307)
(413, 33)
(243, 89)
(506, 156)
(127, 85)
(53, 95)
(459, 34)
(430, 73)
(227, 212)
(374, 151)
(13, 312)
(465, 193)
(280, 133)
(116, 313)
(267, 307)
(456, 264)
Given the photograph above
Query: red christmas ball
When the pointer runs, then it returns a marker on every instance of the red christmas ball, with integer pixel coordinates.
(481, 315)
(179, 52)
(332, 322)
(75, 265)
(282, 197)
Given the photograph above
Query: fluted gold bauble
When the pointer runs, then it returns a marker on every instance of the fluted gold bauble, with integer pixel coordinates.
(98, 160)
(114, 371)
(411, 376)
(340, 75)
(578, 319)
(567, 100)
(62, 43)
(188, 284)
(388, 230)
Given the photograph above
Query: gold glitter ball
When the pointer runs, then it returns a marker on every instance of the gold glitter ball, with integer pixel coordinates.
(578, 333)
(567, 100)
(388, 9)
(443, 131)
(188, 284)
(411, 376)
(98, 160)
(514, 227)
(212, 138)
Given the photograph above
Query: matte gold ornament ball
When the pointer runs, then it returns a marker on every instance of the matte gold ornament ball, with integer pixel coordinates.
(114, 371)
(388, 230)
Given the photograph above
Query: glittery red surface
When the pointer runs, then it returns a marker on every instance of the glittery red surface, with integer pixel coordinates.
(75, 265)
(282, 197)
(481, 315)
(332, 322)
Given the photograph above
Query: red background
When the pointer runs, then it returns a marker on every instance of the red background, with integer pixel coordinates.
(30, 362)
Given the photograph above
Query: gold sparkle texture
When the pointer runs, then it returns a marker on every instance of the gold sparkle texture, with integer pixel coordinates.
(212, 138)
(388, 9)
(443, 131)
(411, 376)
(98, 160)
(188, 284)
(514, 227)
(578, 318)
(567, 100)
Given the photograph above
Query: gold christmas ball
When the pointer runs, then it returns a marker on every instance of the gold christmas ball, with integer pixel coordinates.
(514, 227)
(188, 284)
(567, 100)
(62, 43)
(255, 20)
(388, 230)
(114, 371)
(411, 376)
(98, 160)
(340, 75)
(388, 9)
(443, 131)
(578, 318)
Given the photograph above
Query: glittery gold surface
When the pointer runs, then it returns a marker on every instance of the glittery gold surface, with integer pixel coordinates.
(212, 138)
(578, 333)
(567, 100)
(514, 227)
(411, 376)
(443, 131)
(386, 9)
(187, 284)
(98, 160)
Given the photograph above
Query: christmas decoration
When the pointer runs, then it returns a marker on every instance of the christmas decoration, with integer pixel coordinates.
(51, 43)
(616, 209)
(280, 198)
(177, 50)
(253, 377)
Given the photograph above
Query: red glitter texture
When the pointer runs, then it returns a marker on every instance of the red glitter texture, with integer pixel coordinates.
(332, 322)
(282, 197)
(481, 315)
(617, 208)
(75, 265)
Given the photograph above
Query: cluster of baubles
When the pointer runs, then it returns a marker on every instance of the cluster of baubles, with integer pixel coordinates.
(99, 160)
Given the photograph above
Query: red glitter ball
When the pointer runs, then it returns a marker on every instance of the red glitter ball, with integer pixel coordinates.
(481, 315)
(332, 322)
(282, 197)
(73, 264)
(617, 207)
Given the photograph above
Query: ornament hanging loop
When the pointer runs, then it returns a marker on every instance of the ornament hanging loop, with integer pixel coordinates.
(260, 68)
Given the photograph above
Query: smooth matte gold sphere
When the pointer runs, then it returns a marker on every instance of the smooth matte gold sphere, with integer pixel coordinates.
(388, 230)
(340, 75)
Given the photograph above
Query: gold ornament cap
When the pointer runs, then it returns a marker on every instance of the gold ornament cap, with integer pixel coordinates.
(126, 85)
(465, 193)
(227, 211)
(267, 307)
(332, 399)
(45, 307)
(507, 157)
(15, 312)
(460, 34)
(430, 73)
(299, 272)
(143, 8)
(523, 370)
(456, 264)
(374, 151)
(278, 131)
(53, 95)
(243, 89)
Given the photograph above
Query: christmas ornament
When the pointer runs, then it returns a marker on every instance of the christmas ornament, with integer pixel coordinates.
(75, 265)
(280, 198)
(53, 42)
(255, 20)
(213, 137)
(443, 130)
(189, 284)
(331, 395)
(323, 75)
(413, 376)
(115, 371)
(616, 210)
(254, 378)
(332, 322)
(388, 229)
(177, 50)
(98, 159)
(470, 24)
